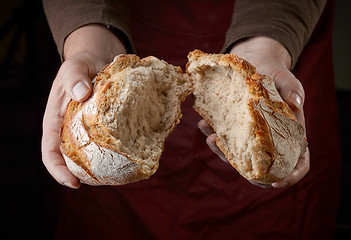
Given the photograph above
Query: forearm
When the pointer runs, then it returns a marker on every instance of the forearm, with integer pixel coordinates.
(76, 18)
(289, 22)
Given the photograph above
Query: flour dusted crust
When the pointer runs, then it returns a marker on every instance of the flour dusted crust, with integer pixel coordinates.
(90, 147)
(92, 163)
(273, 139)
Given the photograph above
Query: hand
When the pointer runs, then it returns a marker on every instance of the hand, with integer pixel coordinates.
(87, 50)
(273, 60)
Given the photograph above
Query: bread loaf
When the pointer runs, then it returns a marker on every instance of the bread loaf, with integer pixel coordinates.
(256, 129)
(117, 136)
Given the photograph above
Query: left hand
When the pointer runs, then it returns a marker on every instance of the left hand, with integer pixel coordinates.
(272, 59)
(86, 51)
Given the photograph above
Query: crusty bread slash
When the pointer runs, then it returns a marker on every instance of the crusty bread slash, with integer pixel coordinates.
(117, 136)
(256, 129)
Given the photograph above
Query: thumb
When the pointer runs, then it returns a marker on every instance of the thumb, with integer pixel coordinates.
(290, 89)
(81, 90)
(76, 78)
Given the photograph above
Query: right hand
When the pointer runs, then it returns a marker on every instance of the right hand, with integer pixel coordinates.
(87, 50)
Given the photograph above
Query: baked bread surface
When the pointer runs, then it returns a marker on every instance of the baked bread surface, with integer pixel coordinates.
(256, 129)
(117, 136)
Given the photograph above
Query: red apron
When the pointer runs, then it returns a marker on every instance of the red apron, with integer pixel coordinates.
(194, 195)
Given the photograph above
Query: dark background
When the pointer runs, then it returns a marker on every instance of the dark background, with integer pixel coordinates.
(28, 64)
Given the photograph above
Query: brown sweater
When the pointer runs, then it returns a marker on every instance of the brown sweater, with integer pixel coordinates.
(289, 22)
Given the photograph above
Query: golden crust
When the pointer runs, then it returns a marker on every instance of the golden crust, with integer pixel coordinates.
(69, 146)
(230, 60)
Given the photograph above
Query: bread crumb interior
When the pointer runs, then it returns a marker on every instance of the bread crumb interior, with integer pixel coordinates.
(143, 107)
(222, 96)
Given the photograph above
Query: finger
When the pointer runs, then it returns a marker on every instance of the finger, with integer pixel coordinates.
(58, 169)
(290, 89)
(206, 129)
(76, 79)
(52, 122)
(260, 184)
(301, 169)
(53, 160)
(211, 142)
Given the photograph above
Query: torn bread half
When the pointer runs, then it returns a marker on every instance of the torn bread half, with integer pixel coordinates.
(117, 136)
(256, 129)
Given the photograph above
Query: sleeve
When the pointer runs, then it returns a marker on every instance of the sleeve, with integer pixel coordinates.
(289, 22)
(65, 16)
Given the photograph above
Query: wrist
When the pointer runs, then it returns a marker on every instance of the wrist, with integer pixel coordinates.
(94, 40)
(262, 49)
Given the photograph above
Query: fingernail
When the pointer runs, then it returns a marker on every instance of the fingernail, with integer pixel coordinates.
(80, 90)
(296, 99)
(69, 185)
(280, 184)
(211, 141)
